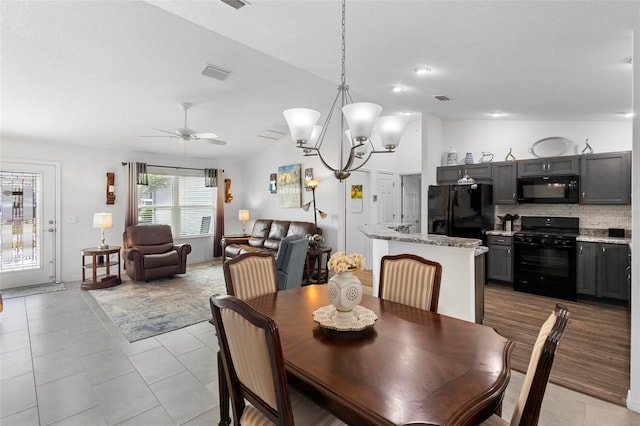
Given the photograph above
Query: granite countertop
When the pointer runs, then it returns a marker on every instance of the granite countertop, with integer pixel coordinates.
(382, 232)
(603, 239)
(500, 233)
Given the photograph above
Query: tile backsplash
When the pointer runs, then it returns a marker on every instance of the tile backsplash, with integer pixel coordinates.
(594, 219)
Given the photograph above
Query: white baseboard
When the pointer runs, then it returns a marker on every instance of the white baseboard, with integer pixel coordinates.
(633, 403)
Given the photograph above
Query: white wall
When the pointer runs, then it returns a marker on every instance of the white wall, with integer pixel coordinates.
(498, 135)
(83, 186)
(330, 195)
(633, 398)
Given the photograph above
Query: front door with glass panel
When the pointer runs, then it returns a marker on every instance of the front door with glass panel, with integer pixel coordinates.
(27, 226)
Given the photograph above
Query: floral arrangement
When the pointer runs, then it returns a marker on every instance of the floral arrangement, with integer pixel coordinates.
(315, 240)
(341, 262)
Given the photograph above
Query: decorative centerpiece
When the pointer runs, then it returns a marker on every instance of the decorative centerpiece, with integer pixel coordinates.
(315, 240)
(345, 294)
(345, 289)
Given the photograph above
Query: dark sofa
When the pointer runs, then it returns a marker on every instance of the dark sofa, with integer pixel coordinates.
(265, 236)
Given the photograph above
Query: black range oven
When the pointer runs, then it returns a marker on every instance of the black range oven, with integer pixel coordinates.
(545, 256)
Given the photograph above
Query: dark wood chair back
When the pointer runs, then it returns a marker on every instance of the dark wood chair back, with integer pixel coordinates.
(252, 361)
(411, 280)
(251, 275)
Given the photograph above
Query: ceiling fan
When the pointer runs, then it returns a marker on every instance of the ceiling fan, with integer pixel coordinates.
(185, 134)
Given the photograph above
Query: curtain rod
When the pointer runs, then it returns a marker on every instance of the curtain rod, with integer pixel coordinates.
(124, 163)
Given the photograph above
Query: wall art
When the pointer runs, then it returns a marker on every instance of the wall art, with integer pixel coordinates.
(290, 186)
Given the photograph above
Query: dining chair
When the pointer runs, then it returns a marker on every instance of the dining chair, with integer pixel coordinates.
(527, 409)
(411, 280)
(251, 275)
(254, 368)
(246, 276)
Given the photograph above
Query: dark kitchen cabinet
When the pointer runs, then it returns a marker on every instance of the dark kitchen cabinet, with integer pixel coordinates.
(587, 279)
(500, 259)
(603, 270)
(605, 178)
(504, 182)
(569, 165)
(447, 175)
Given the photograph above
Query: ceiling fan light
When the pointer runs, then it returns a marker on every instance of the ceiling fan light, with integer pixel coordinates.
(390, 129)
(301, 122)
(361, 117)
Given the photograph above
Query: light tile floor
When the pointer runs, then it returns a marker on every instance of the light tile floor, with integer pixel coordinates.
(63, 362)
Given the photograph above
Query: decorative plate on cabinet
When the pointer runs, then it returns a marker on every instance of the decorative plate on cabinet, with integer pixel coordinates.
(550, 147)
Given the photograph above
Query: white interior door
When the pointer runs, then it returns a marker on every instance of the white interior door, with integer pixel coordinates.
(411, 201)
(386, 212)
(28, 224)
(358, 213)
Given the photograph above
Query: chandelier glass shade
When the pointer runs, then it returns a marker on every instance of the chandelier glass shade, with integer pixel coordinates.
(362, 119)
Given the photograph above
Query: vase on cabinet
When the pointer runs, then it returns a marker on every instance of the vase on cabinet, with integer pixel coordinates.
(468, 159)
(345, 293)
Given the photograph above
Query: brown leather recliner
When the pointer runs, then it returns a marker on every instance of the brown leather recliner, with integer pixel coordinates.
(149, 252)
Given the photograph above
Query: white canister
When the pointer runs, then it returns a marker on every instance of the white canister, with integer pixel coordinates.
(452, 157)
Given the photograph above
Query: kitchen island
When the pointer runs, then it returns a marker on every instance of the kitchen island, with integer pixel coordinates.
(462, 260)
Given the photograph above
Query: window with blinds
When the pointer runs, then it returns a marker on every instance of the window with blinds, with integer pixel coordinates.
(177, 197)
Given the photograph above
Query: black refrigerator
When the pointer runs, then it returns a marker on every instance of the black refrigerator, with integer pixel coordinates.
(461, 210)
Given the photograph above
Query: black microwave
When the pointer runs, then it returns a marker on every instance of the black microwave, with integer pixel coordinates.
(549, 190)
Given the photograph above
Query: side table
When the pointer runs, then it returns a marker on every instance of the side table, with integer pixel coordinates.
(317, 269)
(105, 280)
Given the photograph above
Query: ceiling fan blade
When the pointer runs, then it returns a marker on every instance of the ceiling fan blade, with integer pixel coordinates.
(166, 131)
(205, 135)
(212, 141)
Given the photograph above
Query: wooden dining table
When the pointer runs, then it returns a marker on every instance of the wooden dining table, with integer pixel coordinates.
(411, 367)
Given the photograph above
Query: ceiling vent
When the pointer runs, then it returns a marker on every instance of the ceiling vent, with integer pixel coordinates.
(236, 4)
(215, 72)
(442, 98)
(275, 132)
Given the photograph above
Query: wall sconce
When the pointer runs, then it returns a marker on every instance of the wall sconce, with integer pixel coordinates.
(244, 216)
(227, 191)
(111, 188)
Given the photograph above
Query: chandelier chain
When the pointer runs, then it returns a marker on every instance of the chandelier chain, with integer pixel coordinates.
(344, 49)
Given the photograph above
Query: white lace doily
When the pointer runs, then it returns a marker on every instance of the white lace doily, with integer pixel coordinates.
(359, 319)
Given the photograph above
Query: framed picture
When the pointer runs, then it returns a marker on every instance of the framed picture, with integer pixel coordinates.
(308, 175)
(290, 186)
(273, 185)
(356, 191)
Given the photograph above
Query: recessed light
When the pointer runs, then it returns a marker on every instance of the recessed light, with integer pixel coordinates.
(496, 114)
(422, 70)
(398, 89)
(627, 114)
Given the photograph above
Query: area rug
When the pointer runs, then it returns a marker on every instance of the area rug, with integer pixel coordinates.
(145, 309)
(31, 290)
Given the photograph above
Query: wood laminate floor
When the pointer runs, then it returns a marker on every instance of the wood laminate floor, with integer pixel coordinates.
(594, 355)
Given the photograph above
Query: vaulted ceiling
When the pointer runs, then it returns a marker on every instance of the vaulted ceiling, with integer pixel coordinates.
(105, 73)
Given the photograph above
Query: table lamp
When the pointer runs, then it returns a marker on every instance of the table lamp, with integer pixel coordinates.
(102, 221)
(244, 216)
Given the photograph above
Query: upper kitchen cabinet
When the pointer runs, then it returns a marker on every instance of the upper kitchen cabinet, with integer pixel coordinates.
(569, 165)
(504, 182)
(449, 175)
(606, 178)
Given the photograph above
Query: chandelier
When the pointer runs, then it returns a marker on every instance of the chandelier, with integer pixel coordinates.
(362, 119)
